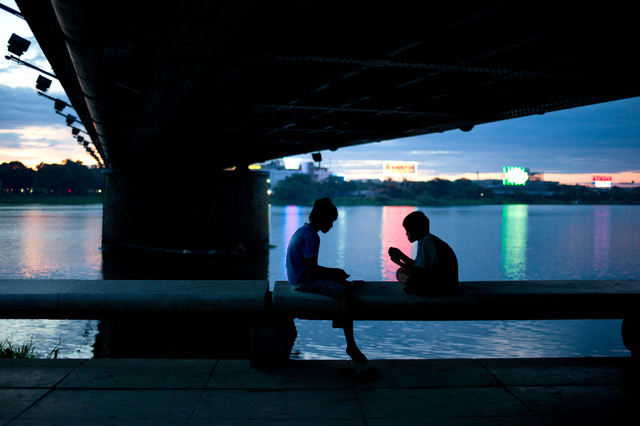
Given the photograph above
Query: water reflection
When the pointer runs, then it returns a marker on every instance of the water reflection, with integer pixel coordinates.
(467, 339)
(71, 339)
(514, 241)
(292, 220)
(601, 240)
(51, 242)
(393, 234)
(340, 228)
(37, 247)
(32, 245)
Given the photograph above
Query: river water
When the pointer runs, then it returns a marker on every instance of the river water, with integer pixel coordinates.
(513, 242)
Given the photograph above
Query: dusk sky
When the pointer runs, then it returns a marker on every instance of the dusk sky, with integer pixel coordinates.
(568, 146)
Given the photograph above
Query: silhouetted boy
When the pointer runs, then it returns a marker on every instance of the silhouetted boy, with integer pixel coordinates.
(434, 272)
(305, 274)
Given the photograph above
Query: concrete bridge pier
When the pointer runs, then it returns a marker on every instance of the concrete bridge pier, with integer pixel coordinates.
(178, 209)
(173, 211)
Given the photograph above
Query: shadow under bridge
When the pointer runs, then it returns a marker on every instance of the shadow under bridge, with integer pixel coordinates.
(174, 95)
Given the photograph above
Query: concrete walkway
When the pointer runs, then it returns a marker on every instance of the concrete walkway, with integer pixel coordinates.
(576, 391)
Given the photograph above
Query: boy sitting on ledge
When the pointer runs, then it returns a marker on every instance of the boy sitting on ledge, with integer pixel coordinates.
(305, 274)
(434, 272)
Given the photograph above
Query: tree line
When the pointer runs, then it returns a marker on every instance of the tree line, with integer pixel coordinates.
(69, 178)
(75, 178)
(300, 189)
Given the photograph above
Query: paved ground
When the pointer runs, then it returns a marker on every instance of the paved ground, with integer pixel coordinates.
(522, 392)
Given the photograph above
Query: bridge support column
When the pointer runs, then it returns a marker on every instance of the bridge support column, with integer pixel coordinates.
(178, 210)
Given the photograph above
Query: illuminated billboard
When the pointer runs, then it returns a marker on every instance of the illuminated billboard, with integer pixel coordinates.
(602, 181)
(292, 163)
(514, 176)
(400, 168)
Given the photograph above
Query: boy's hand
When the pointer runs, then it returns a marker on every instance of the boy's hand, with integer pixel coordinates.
(336, 274)
(395, 254)
(339, 274)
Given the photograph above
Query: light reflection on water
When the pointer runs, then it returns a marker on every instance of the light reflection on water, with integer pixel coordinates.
(514, 241)
(392, 234)
(464, 339)
(72, 339)
(492, 243)
(601, 240)
(52, 242)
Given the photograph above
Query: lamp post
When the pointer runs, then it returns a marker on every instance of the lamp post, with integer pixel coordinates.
(16, 47)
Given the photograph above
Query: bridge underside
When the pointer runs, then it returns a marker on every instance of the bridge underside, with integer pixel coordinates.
(228, 83)
(177, 90)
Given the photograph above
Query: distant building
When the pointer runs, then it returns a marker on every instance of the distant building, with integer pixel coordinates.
(536, 177)
(283, 168)
(606, 182)
(627, 185)
(537, 186)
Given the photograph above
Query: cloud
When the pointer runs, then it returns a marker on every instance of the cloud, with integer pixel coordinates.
(603, 138)
(31, 132)
(36, 138)
(21, 107)
(33, 145)
(10, 140)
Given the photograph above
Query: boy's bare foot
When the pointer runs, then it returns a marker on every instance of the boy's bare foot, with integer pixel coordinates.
(357, 356)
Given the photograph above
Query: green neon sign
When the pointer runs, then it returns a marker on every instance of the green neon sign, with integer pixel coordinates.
(514, 176)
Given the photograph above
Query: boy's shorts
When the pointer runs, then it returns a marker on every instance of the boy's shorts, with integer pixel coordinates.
(321, 286)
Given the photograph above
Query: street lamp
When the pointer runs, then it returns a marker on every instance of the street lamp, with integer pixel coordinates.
(17, 46)
(43, 83)
(58, 104)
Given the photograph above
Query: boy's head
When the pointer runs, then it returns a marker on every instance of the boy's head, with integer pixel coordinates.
(323, 214)
(417, 225)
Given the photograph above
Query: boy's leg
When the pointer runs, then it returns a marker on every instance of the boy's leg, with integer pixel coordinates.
(402, 276)
(415, 282)
(348, 301)
(347, 304)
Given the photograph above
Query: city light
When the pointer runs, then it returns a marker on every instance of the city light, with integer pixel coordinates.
(602, 181)
(515, 176)
(400, 168)
(291, 163)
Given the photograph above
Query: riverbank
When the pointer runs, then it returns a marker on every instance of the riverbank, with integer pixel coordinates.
(51, 200)
(338, 201)
(442, 202)
(343, 202)
(301, 190)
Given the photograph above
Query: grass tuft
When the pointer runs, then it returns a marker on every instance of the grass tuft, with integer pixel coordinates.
(25, 351)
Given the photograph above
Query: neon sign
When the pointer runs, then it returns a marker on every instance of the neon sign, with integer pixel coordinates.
(515, 176)
(292, 163)
(602, 181)
(400, 168)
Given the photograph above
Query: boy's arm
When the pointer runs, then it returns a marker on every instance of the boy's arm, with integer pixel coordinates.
(400, 259)
(317, 271)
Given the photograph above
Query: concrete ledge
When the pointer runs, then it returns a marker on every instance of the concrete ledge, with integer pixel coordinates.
(504, 300)
(271, 314)
(78, 299)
